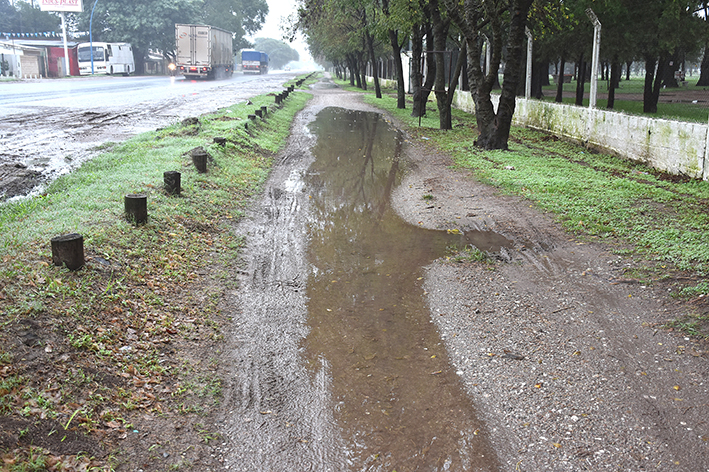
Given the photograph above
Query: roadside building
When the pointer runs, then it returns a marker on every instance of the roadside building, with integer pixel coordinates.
(37, 58)
(19, 60)
(155, 63)
(53, 56)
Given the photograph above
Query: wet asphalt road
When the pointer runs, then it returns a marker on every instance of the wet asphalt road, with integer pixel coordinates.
(49, 127)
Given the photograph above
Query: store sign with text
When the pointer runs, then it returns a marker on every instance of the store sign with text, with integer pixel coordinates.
(61, 5)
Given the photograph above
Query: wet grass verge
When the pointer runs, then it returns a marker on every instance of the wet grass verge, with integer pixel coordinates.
(117, 363)
(657, 220)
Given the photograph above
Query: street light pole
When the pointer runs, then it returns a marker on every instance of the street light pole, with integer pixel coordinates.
(595, 58)
(528, 82)
(67, 72)
(91, 38)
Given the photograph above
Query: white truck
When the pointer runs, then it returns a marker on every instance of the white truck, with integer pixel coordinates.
(203, 51)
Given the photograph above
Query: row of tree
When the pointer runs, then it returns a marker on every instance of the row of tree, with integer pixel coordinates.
(146, 24)
(279, 53)
(477, 36)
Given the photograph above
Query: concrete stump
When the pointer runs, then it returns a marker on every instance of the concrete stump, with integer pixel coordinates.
(136, 208)
(68, 249)
(199, 159)
(173, 180)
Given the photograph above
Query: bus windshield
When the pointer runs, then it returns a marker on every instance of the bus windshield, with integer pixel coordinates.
(84, 54)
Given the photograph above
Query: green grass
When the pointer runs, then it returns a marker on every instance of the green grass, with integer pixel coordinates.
(685, 111)
(154, 282)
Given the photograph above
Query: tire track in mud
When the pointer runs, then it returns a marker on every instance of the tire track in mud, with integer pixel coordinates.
(280, 411)
(280, 415)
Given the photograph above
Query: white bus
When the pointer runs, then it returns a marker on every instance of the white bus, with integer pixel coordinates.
(109, 58)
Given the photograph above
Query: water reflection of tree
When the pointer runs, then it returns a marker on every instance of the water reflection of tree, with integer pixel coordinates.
(367, 315)
(345, 158)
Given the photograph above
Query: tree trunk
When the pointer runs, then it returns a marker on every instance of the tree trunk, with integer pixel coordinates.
(373, 58)
(628, 64)
(580, 79)
(354, 70)
(653, 79)
(416, 69)
(362, 69)
(544, 77)
(440, 36)
(399, 70)
(430, 79)
(560, 81)
(398, 66)
(495, 132)
(539, 70)
(668, 77)
(704, 70)
(614, 79)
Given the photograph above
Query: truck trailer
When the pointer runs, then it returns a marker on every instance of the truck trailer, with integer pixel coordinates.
(254, 62)
(203, 51)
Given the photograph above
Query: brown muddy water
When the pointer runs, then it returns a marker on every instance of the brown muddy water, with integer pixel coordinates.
(398, 402)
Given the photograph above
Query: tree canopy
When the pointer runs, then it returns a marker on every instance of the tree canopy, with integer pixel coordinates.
(26, 18)
(658, 33)
(278, 52)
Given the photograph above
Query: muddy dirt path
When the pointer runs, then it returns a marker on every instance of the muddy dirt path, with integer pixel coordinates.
(545, 360)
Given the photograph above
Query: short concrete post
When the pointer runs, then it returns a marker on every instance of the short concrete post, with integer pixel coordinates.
(199, 159)
(264, 111)
(258, 113)
(172, 181)
(68, 249)
(136, 207)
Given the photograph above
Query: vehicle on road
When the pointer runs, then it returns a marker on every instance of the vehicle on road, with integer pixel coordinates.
(204, 52)
(105, 58)
(254, 62)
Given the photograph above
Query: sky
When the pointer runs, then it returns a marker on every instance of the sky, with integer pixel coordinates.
(278, 9)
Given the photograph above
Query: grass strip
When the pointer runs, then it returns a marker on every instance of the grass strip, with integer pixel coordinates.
(145, 308)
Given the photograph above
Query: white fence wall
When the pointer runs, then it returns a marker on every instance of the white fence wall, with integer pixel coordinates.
(676, 147)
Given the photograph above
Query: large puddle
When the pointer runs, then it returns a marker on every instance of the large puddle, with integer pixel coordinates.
(398, 402)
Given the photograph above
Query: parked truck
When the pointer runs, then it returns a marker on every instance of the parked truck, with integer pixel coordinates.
(203, 51)
(254, 62)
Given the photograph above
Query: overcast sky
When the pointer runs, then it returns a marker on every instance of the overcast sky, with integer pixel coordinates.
(277, 9)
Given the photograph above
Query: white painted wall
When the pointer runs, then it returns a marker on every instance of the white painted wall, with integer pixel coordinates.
(676, 147)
